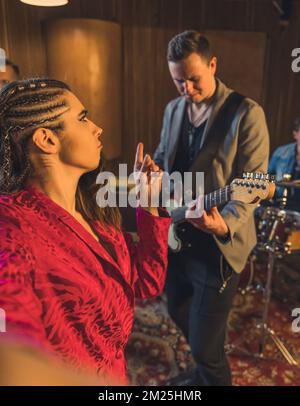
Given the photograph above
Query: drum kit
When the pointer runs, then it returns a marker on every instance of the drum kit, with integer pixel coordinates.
(278, 236)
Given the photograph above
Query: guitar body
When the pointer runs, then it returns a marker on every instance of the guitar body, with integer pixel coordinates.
(174, 242)
(184, 236)
(180, 236)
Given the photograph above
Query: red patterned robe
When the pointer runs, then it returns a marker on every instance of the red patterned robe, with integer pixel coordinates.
(61, 288)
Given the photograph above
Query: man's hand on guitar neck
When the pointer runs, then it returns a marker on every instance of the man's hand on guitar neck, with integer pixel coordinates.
(211, 222)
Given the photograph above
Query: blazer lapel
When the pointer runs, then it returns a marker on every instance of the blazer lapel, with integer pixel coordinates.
(219, 98)
(218, 101)
(174, 131)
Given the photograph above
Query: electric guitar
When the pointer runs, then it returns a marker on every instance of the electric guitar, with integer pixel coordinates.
(253, 188)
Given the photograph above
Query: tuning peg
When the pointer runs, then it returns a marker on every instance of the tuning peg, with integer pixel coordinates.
(247, 175)
(259, 176)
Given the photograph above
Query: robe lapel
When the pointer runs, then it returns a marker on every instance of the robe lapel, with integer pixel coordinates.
(36, 197)
(116, 270)
(88, 239)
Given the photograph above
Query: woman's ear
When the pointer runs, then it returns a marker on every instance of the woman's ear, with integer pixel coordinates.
(46, 140)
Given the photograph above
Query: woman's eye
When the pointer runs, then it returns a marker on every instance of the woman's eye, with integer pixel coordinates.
(84, 119)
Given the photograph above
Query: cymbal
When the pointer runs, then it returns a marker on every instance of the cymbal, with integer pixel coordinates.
(290, 184)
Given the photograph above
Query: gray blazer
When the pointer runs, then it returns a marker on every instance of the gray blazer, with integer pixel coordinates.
(245, 148)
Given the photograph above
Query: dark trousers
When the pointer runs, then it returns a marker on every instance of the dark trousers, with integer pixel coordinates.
(201, 311)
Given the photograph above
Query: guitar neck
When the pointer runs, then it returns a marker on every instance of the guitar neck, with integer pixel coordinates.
(213, 199)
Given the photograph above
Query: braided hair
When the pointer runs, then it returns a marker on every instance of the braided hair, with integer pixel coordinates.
(25, 106)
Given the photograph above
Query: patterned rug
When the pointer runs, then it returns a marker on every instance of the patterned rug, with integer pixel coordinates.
(157, 350)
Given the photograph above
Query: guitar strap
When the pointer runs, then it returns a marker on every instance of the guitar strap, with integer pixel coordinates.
(217, 132)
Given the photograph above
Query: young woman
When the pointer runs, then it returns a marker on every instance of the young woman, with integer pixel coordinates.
(69, 276)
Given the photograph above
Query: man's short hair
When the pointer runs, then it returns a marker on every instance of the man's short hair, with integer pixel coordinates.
(186, 43)
(15, 67)
(296, 124)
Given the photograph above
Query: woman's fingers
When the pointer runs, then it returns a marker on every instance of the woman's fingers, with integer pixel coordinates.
(154, 167)
(139, 155)
(145, 164)
(149, 165)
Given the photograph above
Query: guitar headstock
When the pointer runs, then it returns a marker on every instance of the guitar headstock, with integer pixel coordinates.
(253, 188)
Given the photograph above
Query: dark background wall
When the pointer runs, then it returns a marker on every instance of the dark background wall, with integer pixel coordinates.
(147, 25)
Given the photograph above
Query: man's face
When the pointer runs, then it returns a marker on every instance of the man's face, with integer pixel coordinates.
(7, 76)
(296, 133)
(194, 77)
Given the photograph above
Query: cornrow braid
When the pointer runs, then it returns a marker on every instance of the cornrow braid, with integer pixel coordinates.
(25, 106)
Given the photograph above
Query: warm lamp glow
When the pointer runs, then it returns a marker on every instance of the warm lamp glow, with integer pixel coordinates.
(46, 3)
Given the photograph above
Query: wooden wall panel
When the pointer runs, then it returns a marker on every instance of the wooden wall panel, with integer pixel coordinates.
(92, 67)
(234, 15)
(20, 36)
(146, 86)
(241, 57)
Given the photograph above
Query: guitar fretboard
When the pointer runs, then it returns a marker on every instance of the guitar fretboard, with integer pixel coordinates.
(213, 199)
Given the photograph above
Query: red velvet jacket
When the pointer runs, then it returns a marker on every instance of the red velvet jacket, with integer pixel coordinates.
(60, 288)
